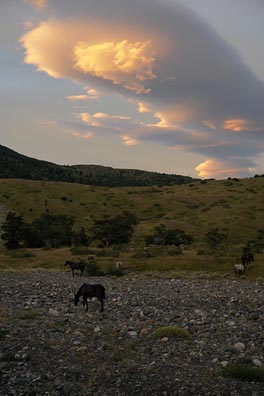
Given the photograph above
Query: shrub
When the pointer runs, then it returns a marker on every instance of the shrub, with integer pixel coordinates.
(91, 269)
(244, 372)
(22, 254)
(171, 332)
(80, 250)
(112, 271)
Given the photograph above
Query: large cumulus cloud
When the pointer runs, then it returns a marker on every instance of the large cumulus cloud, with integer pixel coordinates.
(200, 95)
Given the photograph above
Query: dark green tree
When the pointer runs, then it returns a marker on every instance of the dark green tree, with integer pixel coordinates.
(13, 231)
(50, 230)
(118, 229)
(80, 238)
(168, 236)
(214, 238)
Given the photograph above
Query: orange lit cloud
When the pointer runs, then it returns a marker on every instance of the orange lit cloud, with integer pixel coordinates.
(129, 141)
(183, 85)
(91, 94)
(37, 3)
(125, 63)
(220, 169)
(236, 125)
(99, 119)
(73, 98)
(144, 107)
(81, 135)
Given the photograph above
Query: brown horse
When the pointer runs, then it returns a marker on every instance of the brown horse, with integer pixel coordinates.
(89, 291)
(247, 258)
(75, 266)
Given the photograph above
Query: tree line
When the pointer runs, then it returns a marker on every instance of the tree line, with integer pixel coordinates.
(54, 231)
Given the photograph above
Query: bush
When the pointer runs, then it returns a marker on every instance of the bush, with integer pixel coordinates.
(171, 332)
(79, 250)
(143, 253)
(244, 372)
(112, 271)
(91, 269)
(22, 254)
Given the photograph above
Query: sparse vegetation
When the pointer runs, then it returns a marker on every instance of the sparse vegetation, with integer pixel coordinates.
(230, 213)
(171, 332)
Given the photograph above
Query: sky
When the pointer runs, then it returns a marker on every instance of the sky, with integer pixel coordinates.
(173, 86)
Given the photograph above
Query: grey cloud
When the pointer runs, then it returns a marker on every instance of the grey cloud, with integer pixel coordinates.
(194, 67)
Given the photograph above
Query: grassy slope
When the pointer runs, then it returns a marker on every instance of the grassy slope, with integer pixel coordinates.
(234, 206)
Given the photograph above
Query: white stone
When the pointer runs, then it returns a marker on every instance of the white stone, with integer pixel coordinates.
(53, 312)
(239, 347)
(257, 362)
(132, 333)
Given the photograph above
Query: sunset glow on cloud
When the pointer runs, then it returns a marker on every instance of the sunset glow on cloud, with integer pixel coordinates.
(128, 141)
(146, 71)
(37, 3)
(219, 169)
(78, 134)
(123, 63)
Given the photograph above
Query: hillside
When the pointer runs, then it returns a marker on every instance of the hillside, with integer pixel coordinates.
(17, 166)
(234, 206)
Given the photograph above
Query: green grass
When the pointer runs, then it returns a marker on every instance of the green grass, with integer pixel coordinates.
(229, 205)
(171, 332)
(244, 372)
(189, 264)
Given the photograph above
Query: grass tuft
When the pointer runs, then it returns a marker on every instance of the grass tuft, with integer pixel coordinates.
(244, 372)
(171, 332)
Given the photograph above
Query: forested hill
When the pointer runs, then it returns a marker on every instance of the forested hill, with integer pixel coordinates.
(17, 166)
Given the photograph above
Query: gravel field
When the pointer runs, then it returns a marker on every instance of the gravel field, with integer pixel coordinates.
(50, 347)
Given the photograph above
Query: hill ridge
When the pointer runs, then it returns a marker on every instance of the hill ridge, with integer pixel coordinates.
(14, 165)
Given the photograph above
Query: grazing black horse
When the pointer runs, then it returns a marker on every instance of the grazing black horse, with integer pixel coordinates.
(75, 266)
(247, 258)
(90, 291)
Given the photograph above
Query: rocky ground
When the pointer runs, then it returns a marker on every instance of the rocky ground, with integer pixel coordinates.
(50, 347)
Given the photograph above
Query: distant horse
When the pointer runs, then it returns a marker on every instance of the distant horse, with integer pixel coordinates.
(247, 258)
(75, 266)
(89, 291)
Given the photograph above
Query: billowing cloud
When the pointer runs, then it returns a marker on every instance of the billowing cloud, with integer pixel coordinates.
(191, 90)
(124, 63)
(222, 169)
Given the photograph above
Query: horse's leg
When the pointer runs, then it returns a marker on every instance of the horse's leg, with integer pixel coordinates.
(102, 304)
(86, 302)
(83, 301)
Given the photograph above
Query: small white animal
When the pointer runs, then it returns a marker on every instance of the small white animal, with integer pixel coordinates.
(119, 265)
(239, 269)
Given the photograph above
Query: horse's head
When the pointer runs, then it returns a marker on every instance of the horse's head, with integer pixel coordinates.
(76, 299)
